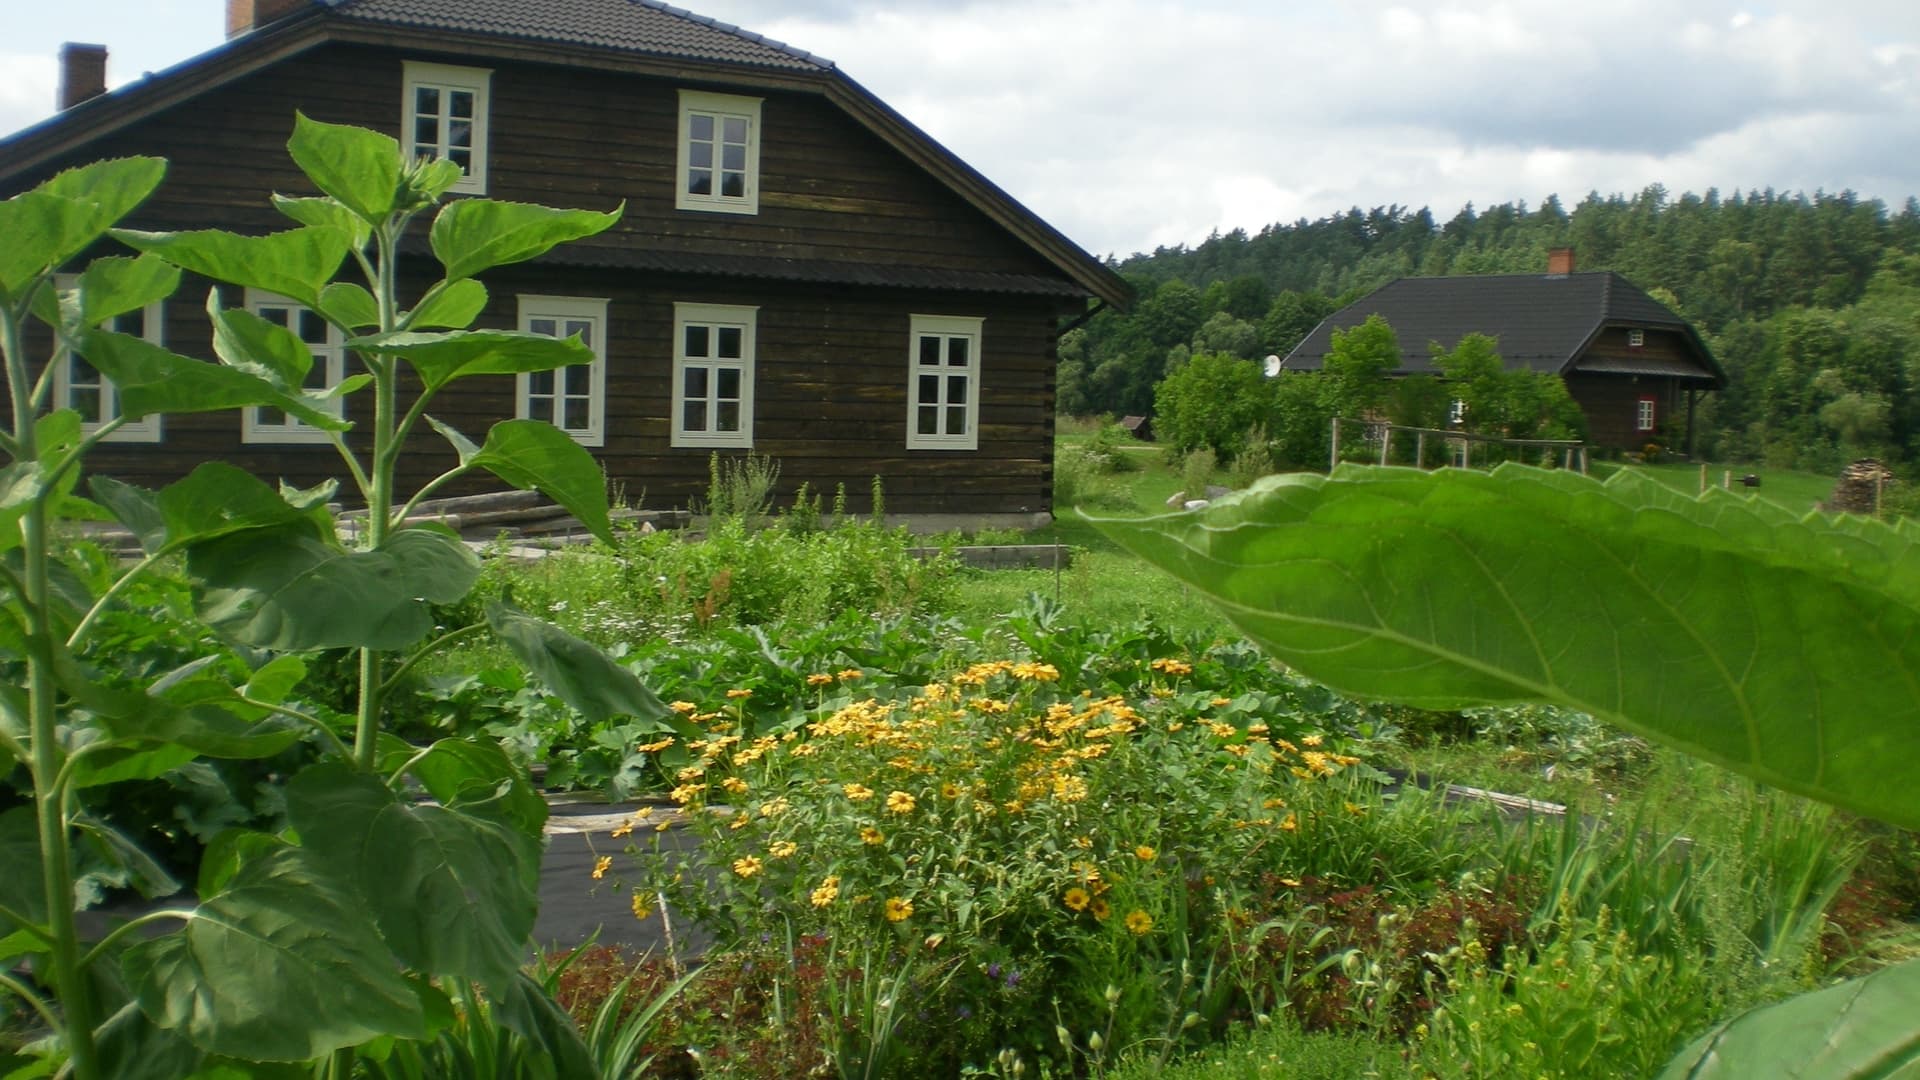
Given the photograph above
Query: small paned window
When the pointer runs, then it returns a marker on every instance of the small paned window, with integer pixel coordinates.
(1643, 416)
(1636, 338)
(445, 116)
(572, 398)
(80, 386)
(713, 375)
(943, 383)
(719, 153)
(1457, 412)
(263, 424)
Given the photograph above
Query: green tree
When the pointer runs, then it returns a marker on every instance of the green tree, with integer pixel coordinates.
(1358, 364)
(1212, 401)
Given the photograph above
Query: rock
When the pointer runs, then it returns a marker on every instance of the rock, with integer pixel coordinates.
(1214, 491)
(1177, 499)
(1194, 504)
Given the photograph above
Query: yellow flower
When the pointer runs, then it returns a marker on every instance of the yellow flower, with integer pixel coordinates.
(899, 910)
(656, 746)
(734, 785)
(781, 849)
(819, 679)
(1139, 922)
(683, 707)
(849, 674)
(1145, 853)
(1076, 899)
(1221, 702)
(871, 835)
(687, 793)
(900, 802)
(1084, 843)
(601, 866)
(951, 790)
(1036, 672)
(746, 867)
(828, 892)
(1291, 883)
(1100, 909)
(775, 808)
(738, 694)
(1169, 666)
(625, 828)
(1290, 824)
(857, 792)
(1313, 740)
(642, 904)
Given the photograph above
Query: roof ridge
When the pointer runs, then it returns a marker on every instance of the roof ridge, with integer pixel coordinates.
(729, 28)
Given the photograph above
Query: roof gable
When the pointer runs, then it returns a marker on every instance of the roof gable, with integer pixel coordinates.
(644, 36)
(1543, 321)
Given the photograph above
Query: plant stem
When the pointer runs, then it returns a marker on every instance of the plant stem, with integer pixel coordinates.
(56, 857)
(380, 491)
(427, 650)
(93, 613)
(128, 927)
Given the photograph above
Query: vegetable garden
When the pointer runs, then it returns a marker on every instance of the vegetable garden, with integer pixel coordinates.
(948, 825)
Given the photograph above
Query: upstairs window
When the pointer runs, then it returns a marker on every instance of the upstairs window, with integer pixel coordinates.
(1636, 339)
(943, 383)
(1643, 415)
(713, 375)
(719, 153)
(446, 117)
(79, 386)
(263, 424)
(572, 398)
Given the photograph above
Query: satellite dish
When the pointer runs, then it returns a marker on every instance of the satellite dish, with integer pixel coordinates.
(1273, 366)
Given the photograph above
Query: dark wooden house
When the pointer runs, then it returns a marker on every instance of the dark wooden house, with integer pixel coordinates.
(800, 271)
(1635, 368)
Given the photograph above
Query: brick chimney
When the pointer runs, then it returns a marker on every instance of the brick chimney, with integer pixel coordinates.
(245, 15)
(1559, 262)
(83, 73)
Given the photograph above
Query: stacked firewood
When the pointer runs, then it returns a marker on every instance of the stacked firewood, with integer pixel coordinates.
(1861, 487)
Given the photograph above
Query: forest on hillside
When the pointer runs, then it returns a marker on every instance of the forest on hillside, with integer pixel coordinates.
(1811, 303)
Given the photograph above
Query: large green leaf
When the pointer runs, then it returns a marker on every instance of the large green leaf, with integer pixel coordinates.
(473, 235)
(1721, 626)
(134, 507)
(150, 380)
(284, 589)
(536, 456)
(217, 499)
(578, 671)
(358, 167)
(452, 308)
(459, 772)
(281, 965)
(115, 286)
(295, 264)
(56, 221)
(1862, 1029)
(133, 1047)
(443, 356)
(454, 893)
(324, 213)
(350, 305)
(20, 888)
(250, 343)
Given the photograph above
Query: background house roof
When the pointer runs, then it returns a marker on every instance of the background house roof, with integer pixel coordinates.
(645, 26)
(1543, 321)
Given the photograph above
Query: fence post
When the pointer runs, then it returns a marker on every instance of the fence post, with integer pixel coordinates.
(1336, 445)
(1386, 443)
(1420, 450)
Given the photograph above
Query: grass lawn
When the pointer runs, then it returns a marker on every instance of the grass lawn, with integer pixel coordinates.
(1797, 491)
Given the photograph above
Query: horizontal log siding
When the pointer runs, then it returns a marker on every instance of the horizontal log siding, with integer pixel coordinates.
(830, 394)
(1611, 404)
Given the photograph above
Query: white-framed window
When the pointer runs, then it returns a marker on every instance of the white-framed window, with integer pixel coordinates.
(79, 386)
(264, 424)
(445, 116)
(719, 153)
(1636, 338)
(943, 383)
(1457, 412)
(572, 398)
(713, 348)
(1643, 415)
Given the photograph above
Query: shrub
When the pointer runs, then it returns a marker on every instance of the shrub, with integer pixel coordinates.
(1197, 472)
(1212, 402)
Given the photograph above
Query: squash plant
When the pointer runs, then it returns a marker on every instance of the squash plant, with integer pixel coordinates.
(338, 933)
(1784, 647)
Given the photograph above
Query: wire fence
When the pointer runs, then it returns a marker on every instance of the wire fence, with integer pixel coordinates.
(1379, 442)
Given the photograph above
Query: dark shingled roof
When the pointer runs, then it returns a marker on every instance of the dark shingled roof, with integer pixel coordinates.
(1543, 321)
(644, 26)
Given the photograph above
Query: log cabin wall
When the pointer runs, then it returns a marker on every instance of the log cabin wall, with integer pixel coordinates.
(832, 364)
(1611, 404)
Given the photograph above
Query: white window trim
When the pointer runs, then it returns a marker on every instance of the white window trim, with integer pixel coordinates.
(945, 326)
(1646, 414)
(560, 308)
(144, 430)
(333, 355)
(692, 101)
(1636, 339)
(479, 82)
(748, 318)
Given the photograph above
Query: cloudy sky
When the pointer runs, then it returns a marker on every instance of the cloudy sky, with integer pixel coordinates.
(1133, 123)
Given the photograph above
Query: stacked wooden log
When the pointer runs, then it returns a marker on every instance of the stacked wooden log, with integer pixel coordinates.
(1860, 489)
